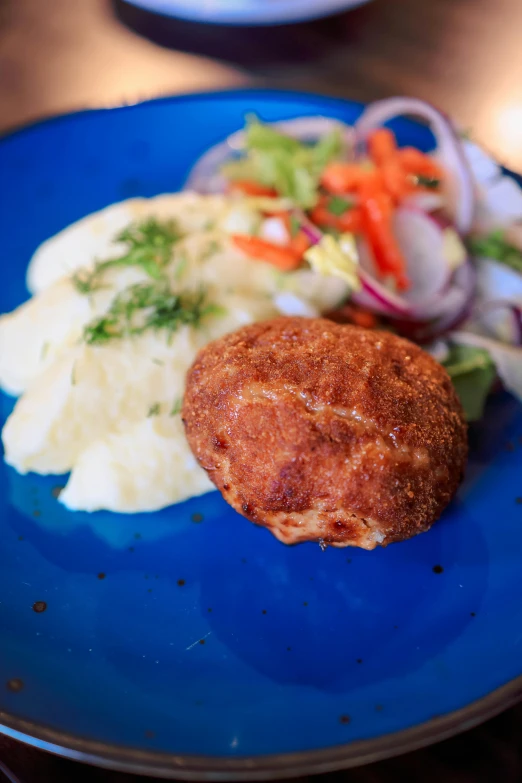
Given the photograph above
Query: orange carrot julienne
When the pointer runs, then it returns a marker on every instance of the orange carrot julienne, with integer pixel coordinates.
(341, 177)
(299, 244)
(381, 145)
(414, 161)
(350, 221)
(378, 228)
(395, 180)
(284, 258)
(251, 188)
(351, 314)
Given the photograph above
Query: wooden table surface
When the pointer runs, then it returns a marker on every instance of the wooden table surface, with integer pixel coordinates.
(463, 55)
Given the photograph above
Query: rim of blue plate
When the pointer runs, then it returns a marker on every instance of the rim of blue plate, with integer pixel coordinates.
(269, 767)
(255, 18)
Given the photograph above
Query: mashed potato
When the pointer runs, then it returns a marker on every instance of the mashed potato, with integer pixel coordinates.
(107, 411)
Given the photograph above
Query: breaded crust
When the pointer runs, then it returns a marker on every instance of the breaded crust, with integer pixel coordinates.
(326, 432)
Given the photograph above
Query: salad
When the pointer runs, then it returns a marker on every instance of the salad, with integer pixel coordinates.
(429, 244)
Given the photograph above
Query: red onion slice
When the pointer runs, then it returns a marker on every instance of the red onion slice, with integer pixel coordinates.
(449, 150)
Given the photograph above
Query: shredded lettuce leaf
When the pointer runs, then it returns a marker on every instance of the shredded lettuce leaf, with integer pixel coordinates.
(494, 246)
(278, 161)
(336, 258)
(506, 358)
(472, 372)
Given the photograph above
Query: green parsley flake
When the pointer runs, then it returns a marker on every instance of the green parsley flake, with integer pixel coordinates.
(149, 306)
(432, 183)
(494, 246)
(211, 250)
(338, 206)
(295, 226)
(149, 246)
(180, 269)
(154, 410)
(176, 408)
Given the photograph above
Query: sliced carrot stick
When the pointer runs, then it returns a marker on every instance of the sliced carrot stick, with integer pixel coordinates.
(350, 221)
(395, 180)
(382, 145)
(350, 314)
(300, 243)
(283, 258)
(341, 177)
(414, 161)
(377, 212)
(250, 188)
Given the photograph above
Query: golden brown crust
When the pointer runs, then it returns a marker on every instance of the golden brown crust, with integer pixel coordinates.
(321, 431)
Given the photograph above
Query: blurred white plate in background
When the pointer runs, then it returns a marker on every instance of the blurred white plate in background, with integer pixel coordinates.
(255, 12)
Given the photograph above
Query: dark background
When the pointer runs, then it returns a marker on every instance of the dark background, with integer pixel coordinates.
(463, 55)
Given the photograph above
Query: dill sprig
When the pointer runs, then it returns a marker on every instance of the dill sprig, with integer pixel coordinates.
(149, 246)
(145, 306)
(177, 406)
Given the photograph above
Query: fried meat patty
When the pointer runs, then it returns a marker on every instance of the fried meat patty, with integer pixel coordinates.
(326, 432)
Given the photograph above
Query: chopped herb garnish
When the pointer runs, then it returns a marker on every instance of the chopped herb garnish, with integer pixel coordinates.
(154, 410)
(496, 247)
(149, 246)
(432, 183)
(149, 306)
(210, 250)
(295, 226)
(176, 408)
(158, 361)
(43, 352)
(180, 269)
(338, 206)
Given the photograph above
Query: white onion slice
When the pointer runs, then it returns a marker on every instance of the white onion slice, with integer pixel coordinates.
(498, 311)
(502, 319)
(448, 151)
(205, 175)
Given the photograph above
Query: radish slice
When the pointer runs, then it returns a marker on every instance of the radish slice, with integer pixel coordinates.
(439, 298)
(449, 151)
(422, 242)
(427, 202)
(457, 308)
(205, 175)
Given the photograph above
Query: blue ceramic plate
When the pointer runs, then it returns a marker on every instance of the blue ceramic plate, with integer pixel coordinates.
(248, 12)
(189, 642)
